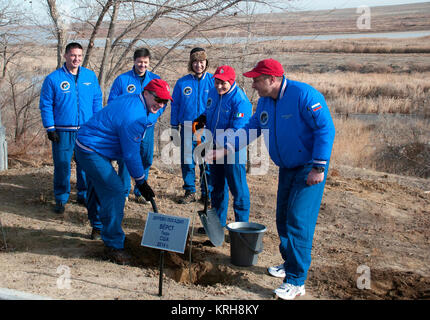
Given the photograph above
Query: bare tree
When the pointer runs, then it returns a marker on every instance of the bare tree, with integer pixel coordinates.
(108, 46)
(10, 17)
(122, 25)
(113, 29)
(59, 29)
(10, 38)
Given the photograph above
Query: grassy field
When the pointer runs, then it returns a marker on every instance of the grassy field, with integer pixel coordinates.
(408, 17)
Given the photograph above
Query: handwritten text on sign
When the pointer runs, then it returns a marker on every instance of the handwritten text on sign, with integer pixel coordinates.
(165, 232)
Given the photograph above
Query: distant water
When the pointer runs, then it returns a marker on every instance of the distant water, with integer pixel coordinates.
(42, 37)
(233, 40)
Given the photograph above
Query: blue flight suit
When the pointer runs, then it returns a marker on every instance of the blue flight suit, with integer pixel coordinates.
(299, 133)
(131, 83)
(189, 102)
(67, 101)
(114, 133)
(231, 110)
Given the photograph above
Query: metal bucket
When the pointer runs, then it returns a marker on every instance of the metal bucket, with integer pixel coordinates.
(246, 242)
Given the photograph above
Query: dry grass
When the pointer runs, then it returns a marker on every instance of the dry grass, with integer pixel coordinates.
(350, 92)
(363, 45)
(358, 153)
(387, 144)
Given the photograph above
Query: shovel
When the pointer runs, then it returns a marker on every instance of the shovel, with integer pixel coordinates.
(208, 216)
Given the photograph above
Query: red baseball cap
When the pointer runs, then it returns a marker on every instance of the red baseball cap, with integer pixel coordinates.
(225, 73)
(270, 67)
(160, 87)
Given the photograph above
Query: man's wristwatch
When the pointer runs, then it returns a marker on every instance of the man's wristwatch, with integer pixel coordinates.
(319, 169)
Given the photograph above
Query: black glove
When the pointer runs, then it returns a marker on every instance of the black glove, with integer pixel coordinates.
(201, 122)
(53, 136)
(146, 191)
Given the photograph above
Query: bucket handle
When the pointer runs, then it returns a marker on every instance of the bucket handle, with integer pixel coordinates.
(247, 245)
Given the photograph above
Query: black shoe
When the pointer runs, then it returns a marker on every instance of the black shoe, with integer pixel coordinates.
(96, 234)
(188, 197)
(118, 256)
(59, 208)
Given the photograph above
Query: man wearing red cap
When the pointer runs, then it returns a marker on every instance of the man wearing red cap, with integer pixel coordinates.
(228, 108)
(299, 133)
(115, 133)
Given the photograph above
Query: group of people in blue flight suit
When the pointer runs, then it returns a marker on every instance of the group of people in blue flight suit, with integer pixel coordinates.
(292, 116)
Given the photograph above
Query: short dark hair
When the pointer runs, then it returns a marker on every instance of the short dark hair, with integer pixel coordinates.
(142, 52)
(73, 45)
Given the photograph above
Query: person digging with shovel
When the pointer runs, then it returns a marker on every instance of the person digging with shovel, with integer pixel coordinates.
(228, 108)
(115, 133)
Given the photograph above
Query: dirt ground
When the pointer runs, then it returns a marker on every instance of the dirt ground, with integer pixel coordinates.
(370, 223)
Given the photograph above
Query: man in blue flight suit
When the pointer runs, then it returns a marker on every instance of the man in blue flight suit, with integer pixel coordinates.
(69, 97)
(228, 108)
(299, 133)
(189, 102)
(115, 133)
(132, 82)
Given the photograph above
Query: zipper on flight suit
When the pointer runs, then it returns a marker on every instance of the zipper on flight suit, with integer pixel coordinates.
(198, 97)
(275, 136)
(77, 95)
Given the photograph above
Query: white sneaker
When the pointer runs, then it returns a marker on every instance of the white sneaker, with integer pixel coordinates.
(277, 271)
(288, 291)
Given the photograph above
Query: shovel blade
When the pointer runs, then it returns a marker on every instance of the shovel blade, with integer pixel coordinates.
(212, 225)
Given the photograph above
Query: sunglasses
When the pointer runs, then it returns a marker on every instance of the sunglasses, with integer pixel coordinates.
(158, 99)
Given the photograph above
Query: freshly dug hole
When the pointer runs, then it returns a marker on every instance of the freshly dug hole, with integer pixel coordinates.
(207, 266)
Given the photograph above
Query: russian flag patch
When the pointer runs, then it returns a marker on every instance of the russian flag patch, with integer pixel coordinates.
(240, 115)
(316, 107)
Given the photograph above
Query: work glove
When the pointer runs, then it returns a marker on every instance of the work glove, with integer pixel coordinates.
(146, 191)
(200, 122)
(53, 136)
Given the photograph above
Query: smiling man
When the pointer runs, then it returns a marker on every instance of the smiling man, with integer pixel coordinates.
(132, 82)
(115, 133)
(69, 97)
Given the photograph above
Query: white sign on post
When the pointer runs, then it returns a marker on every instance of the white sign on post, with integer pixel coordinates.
(165, 232)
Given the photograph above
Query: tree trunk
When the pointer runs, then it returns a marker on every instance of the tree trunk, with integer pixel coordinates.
(59, 30)
(107, 51)
(94, 33)
(3, 147)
